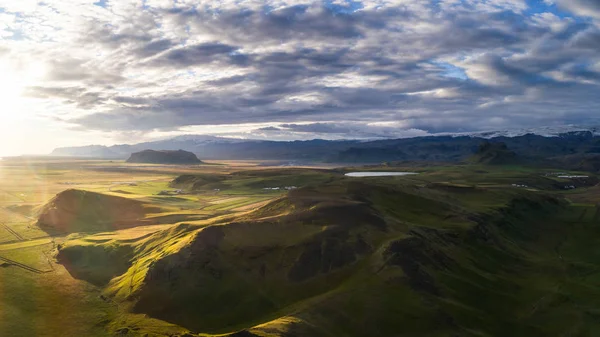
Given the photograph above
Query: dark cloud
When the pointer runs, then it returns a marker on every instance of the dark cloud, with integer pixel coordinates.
(303, 22)
(588, 39)
(79, 97)
(154, 47)
(437, 66)
(317, 128)
(269, 128)
(199, 54)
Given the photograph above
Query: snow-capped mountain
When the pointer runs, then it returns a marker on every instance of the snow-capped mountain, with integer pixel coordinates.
(546, 131)
(543, 141)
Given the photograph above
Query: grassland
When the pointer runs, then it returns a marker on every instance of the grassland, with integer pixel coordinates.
(239, 248)
(49, 301)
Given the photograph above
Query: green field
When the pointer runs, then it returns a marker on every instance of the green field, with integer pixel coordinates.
(30, 276)
(467, 250)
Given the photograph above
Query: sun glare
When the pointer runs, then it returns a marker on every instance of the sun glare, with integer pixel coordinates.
(16, 133)
(13, 81)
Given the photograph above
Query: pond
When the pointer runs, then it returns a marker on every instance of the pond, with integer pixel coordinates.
(379, 174)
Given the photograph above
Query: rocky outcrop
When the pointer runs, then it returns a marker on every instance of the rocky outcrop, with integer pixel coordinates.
(494, 154)
(164, 157)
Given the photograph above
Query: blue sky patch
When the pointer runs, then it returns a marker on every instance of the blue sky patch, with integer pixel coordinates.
(540, 6)
(452, 71)
(101, 3)
(348, 7)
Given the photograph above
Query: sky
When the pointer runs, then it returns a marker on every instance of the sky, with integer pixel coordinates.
(80, 72)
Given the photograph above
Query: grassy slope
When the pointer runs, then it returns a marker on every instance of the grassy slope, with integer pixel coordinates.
(84, 211)
(454, 251)
(50, 304)
(53, 303)
(493, 284)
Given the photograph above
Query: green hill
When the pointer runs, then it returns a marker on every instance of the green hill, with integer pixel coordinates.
(366, 258)
(589, 162)
(83, 211)
(198, 182)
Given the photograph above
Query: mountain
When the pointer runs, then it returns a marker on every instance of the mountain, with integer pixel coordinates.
(218, 148)
(494, 154)
(447, 148)
(164, 157)
(192, 143)
(545, 131)
(95, 151)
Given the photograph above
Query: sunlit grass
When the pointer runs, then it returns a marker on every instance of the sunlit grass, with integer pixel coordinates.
(446, 199)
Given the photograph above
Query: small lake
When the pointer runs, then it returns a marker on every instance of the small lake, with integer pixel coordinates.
(379, 174)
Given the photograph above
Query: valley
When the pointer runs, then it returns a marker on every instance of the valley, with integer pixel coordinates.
(101, 248)
(290, 168)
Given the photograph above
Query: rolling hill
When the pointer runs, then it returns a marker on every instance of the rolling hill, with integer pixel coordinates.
(371, 257)
(83, 211)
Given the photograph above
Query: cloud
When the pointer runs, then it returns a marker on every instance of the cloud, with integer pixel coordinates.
(198, 54)
(589, 8)
(154, 47)
(377, 68)
(331, 131)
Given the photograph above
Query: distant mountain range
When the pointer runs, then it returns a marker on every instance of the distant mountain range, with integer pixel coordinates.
(546, 131)
(208, 147)
(535, 144)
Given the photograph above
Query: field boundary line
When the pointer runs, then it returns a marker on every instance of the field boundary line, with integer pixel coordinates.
(17, 213)
(12, 231)
(23, 266)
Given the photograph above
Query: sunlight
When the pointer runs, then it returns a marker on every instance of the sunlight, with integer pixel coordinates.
(10, 89)
(17, 130)
(12, 84)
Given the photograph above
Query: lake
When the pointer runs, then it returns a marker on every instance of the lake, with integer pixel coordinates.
(379, 174)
